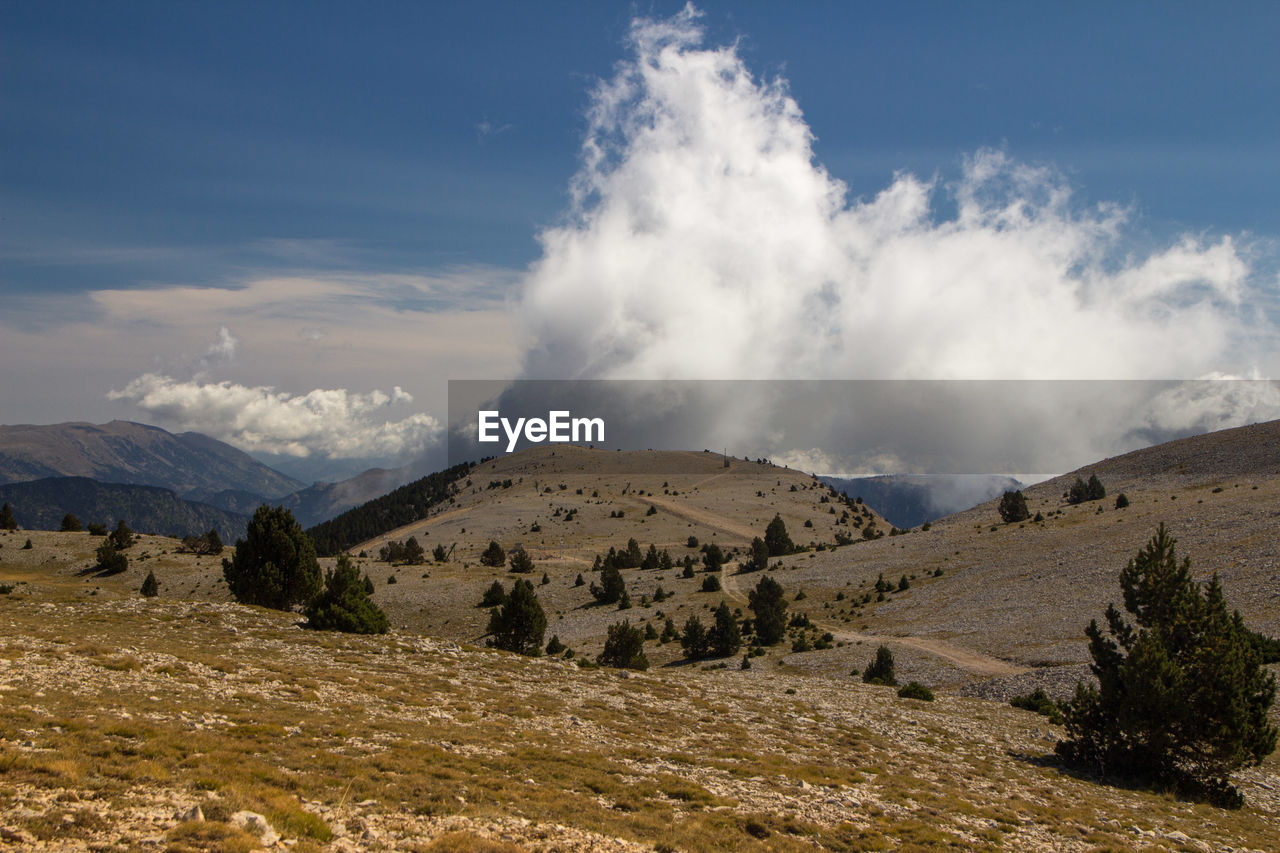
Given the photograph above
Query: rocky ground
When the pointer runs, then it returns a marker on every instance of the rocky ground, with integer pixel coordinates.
(124, 715)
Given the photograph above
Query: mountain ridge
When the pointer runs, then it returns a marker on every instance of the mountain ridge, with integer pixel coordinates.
(140, 454)
(41, 505)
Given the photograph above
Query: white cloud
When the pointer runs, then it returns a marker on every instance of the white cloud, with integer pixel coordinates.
(704, 241)
(332, 422)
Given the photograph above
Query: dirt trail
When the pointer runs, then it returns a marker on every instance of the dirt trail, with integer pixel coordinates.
(704, 516)
(966, 659)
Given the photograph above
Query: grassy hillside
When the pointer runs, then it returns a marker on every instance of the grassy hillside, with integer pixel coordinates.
(124, 714)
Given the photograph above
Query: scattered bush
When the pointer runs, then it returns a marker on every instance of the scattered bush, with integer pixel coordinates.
(1039, 702)
(915, 690)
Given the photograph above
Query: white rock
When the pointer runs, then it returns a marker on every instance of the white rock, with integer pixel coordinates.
(256, 824)
(194, 813)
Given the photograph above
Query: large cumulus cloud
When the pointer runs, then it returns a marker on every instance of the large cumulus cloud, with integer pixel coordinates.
(705, 241)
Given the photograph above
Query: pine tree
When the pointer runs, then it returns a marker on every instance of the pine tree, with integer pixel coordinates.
(213, 542)
(1013, 507)
(759, 555)
(71, 524)
(275, 564)
(1182, 697)
(122, 537)
(651, 558)
(694, 639)
(494, 596)
(612, 586)
(770, 608)
(414, 554)
(880, 671)
(110, 561)
(440, 554)
(521, 562)
(7, 521)
(725, 636)
(1094, 489)
(624, 647)
(150, 586)
(344, 605)
(712, 557)
(776, 538)
(493, 555)
(519, 624)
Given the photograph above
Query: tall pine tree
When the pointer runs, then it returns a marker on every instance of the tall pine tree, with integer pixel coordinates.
(1182, 697)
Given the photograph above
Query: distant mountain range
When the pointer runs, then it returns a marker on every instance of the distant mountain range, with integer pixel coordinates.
(908, 501)
(41, 504)
(125, 452)
(193, 467)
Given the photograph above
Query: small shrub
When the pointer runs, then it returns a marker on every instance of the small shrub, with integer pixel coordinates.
(1039, 702)
(915, 690)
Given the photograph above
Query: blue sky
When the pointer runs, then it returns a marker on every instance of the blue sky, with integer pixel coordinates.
(172, 141)
(152, 147)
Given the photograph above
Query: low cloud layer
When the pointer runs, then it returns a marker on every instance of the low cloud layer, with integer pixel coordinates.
(334, 423)
(704, 241)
